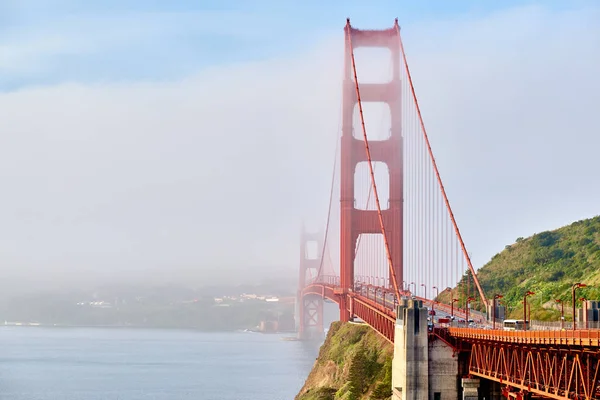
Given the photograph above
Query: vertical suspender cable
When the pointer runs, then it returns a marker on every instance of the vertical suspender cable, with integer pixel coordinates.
(437, 173)
(337, 143)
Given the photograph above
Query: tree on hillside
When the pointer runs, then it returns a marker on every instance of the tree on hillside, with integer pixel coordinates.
(357, 374)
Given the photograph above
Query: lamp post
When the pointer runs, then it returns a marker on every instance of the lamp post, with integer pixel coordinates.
(496, 297)
(584, 303)
(403, 285)
(528, 293)
(412, 283)
(452, 307)
(469, 300)
(425, 290)
(573, 290)
(562, 313)
(437, 293)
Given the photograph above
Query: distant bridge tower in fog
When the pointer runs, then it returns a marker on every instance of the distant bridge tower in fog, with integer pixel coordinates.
(309, 308)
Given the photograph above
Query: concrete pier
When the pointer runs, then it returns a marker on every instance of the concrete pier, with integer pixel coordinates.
(443, 371)
(410, 367)
(422, 369)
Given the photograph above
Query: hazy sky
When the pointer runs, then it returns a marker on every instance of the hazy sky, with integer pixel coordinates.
(177, 141)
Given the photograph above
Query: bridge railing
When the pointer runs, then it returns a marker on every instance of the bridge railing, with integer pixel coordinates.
(533, 325)
(377, 290)
(380, 295)
(330, 280)
(372, 280)
(557, 325)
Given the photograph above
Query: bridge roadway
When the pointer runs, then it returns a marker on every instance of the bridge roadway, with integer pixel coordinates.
(375, 305)
(559, 364)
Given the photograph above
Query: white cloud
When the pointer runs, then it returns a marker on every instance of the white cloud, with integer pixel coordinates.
(215, 171)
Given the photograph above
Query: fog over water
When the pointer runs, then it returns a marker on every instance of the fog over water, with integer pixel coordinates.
(206, 175)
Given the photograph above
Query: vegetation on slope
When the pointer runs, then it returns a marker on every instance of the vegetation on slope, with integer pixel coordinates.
(548, 264)
(354, 363)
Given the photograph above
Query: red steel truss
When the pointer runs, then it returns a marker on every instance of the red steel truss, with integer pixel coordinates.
(554, 364)
(382, 320)
(554, 372)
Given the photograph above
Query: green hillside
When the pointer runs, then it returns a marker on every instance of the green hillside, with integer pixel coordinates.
(548, 264)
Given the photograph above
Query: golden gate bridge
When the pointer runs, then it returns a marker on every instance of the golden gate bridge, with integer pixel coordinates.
(394, 237)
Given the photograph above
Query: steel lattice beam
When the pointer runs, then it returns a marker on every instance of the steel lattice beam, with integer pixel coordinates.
(559, 373)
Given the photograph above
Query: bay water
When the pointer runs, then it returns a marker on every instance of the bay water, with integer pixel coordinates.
(39, 363)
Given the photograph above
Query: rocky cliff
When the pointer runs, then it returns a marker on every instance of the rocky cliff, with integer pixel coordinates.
(354, 363)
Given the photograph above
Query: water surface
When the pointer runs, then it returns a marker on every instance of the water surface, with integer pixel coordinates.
(133, 364)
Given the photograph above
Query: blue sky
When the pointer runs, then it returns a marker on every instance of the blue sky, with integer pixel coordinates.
(168, 141)
(47, 42)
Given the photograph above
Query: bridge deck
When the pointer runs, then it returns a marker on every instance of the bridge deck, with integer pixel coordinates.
(558, 364)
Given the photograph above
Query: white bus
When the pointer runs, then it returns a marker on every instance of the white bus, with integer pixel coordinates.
(515, 325)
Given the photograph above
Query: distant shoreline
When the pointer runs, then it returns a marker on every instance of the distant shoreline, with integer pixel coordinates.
(180, 328)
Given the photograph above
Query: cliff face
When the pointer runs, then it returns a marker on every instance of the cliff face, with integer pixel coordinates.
(354, 363)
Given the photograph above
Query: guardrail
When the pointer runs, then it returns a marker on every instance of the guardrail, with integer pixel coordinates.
(589, 337)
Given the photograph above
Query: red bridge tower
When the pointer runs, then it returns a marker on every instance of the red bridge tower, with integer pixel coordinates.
(310, 307)
(355, 222)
